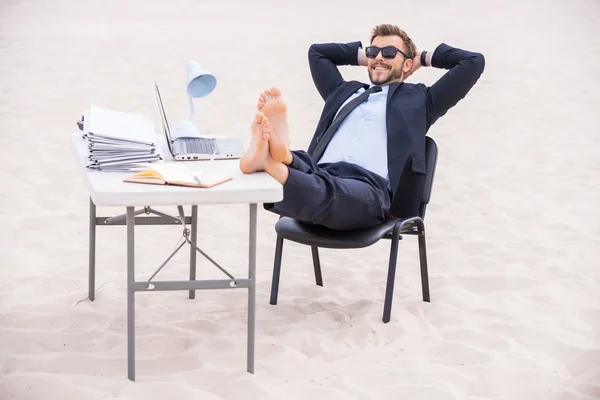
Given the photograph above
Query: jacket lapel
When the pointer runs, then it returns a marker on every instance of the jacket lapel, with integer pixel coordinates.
(391, 123)
(394, 125)
(393, 87)
(331, 109)
(348, 91)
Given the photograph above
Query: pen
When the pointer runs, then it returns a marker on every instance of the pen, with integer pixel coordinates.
(211, 162)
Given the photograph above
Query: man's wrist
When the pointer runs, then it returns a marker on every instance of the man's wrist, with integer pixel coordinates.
(430, 55)
(426, 58)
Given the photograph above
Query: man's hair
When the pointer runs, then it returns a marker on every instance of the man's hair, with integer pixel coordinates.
(393, 30)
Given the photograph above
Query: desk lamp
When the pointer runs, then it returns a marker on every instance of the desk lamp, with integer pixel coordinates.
(200, 83)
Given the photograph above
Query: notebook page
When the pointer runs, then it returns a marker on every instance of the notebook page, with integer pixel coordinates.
(172, 172)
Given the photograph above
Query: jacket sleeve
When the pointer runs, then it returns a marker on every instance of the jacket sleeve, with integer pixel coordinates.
(324, 60)
(464, 69)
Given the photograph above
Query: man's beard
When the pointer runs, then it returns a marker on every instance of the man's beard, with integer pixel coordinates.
(394, 75)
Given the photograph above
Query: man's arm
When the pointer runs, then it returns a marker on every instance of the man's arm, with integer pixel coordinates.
(324, 60)
(464, 67)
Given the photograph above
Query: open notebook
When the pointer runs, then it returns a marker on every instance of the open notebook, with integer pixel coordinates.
(176, 175)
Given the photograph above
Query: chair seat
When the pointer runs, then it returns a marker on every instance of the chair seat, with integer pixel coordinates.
(319, 236)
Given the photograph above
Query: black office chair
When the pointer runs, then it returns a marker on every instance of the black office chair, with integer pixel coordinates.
(317, 236)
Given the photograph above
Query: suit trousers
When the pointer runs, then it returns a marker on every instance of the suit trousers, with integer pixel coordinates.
(340, 196)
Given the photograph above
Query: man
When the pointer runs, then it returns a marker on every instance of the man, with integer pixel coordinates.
(366, 161)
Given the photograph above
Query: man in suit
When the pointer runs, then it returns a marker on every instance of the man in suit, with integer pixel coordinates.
(366, 161)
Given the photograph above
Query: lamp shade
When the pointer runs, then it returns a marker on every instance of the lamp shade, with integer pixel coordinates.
(199, 82)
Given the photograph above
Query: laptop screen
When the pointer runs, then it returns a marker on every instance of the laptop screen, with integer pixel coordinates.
(163, 118)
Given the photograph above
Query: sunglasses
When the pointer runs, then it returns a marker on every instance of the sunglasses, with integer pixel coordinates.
(388, 52)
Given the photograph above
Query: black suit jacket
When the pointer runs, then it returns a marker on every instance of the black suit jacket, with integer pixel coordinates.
(411, 110)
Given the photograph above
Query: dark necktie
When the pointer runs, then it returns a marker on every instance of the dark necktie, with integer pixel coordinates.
(323, 141)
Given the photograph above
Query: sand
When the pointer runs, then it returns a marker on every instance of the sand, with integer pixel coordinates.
(512, 229)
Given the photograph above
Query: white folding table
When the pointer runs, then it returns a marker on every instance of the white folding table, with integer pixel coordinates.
(108, 189)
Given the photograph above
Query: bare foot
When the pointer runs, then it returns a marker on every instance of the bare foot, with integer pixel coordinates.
(257, 156)
(271, 103)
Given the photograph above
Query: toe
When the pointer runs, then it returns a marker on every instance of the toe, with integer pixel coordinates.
(266, 126)
(275, 92)
(258, 118)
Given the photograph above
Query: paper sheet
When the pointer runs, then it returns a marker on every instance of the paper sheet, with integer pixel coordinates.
(120, 125)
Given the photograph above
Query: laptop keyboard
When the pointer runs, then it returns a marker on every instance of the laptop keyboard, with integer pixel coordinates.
(200, 146)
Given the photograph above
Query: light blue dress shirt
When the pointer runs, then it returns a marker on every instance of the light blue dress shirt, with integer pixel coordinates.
(361, 139)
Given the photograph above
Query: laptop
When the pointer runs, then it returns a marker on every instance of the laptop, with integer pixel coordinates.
(198, 148)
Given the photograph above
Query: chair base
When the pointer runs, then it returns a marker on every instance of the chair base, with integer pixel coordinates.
(315, 236)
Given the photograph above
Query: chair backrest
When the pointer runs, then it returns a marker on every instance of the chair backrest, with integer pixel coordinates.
(431, 153)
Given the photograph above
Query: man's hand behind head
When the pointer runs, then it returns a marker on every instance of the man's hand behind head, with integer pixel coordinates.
(416, 64)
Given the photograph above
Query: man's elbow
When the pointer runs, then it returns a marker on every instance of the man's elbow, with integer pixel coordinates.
(314, 50)
(479, 62)
(313, 53)
(476, 67)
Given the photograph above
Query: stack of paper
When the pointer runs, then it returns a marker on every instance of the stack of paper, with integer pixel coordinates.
(119, 141)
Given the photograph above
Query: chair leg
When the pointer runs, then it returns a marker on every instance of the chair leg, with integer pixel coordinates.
(317, 265)
(389, 290)
(276, 270)
(423, 260)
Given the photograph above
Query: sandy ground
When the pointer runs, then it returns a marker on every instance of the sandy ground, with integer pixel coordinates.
(513, 227)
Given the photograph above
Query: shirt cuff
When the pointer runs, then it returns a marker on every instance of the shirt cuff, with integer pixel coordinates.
(431, 58)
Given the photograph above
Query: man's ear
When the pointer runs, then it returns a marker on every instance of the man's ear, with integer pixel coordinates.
(407, 65)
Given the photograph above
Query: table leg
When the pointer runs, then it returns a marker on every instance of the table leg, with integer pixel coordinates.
(92, 251)
(130, 294)
(252, 289)
(192, 249)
